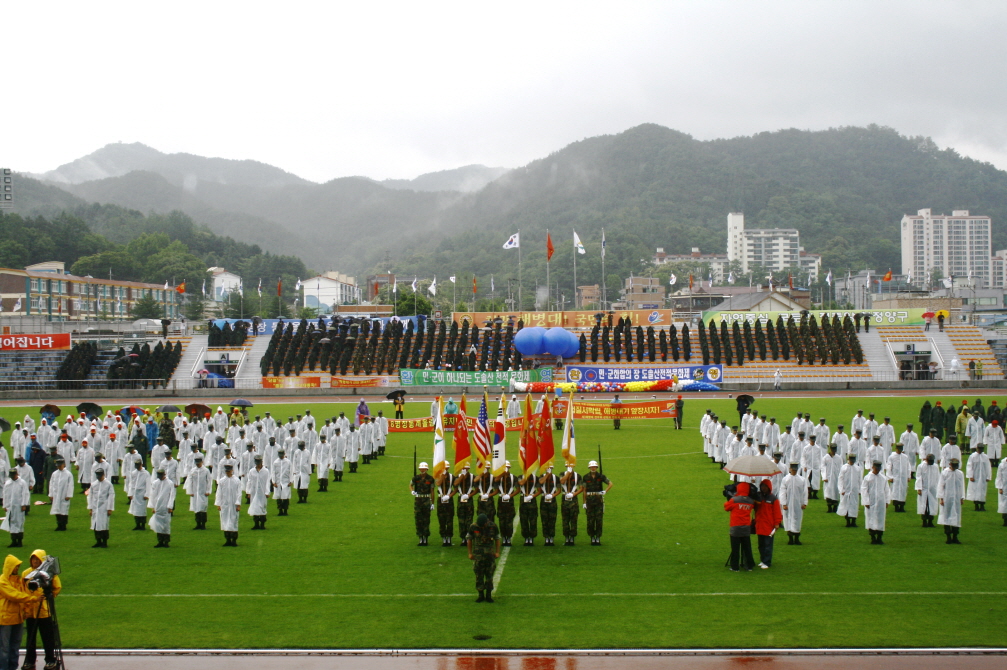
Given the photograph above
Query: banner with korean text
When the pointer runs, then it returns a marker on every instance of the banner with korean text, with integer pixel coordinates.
(879, 317)
(416, 377)
(55, 341)
(580, 319)
(712, 374)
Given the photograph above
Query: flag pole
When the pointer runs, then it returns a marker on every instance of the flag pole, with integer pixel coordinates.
(548, 286)
(519, 282)
(575, 251)
(604, 287)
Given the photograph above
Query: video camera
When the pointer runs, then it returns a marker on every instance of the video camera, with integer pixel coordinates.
(731, 490)
(41, 577)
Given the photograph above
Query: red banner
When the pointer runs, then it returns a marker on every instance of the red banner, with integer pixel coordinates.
(55, 341)
(654, 409)
(360, 382)
(426, 424)
(291, 382)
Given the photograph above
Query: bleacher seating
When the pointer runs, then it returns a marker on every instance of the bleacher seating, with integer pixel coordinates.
(970, 344)
(29, 369)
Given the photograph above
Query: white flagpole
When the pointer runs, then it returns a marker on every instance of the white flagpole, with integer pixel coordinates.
(519, 282)
(575, 252)
(604, 287)
(548, 286)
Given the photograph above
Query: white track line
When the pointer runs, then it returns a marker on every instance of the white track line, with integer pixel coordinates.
(498, 573)
(496, 579)
(684, 453)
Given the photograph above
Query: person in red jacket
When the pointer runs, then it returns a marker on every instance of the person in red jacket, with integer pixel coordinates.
(768, 517)
(741, 507)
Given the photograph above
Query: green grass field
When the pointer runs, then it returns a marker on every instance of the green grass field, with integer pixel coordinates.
(344, 570)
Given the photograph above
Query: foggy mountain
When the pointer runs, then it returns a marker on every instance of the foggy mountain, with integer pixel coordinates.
(467, 179)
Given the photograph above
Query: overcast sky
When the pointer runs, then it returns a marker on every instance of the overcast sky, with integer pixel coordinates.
(396, 89)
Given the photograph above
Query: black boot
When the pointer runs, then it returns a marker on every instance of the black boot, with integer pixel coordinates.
(481, 598)
(104, 539)
(790, 538)
(954, 537)
(97, 540)
(1004, 518)
(880, 533)
(227, 538)
(489, 595)
(160, 541)
(797, 538)
(947, 532)
(137, 523)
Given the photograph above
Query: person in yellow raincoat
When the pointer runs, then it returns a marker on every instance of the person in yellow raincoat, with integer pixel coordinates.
(38, 618)
(14, 596)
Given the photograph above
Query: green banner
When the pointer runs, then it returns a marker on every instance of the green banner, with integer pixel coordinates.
(879, 317)
(411, 377)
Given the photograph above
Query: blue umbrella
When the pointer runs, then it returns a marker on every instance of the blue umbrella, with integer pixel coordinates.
(241, 402)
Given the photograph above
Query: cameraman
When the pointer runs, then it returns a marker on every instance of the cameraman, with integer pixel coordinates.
(38, 619)
(14, 596)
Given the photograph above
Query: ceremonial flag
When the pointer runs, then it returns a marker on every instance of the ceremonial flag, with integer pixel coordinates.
(181, 287)
(710, 278)
(298, 286)
(730, 278)
(672, 280)
(513, 242)
(433, 287)
(481, 436)
(474, 287)
(440, 455)
(577, 245)
(928, 280)
(909, 277)
(528, 448)
(414, 284)
(603, 243)
(165, 285)
(452, 278)
(493, 285)
(259, 290)
(569, 439)
(204, 288)
(17, 305)
(499, 440)
(549, 248)
(279, 287)
(790, 281)
(463, 450)
(828, 277)
(546, 448)
(395, 287)
(949, 282)
(888, 276)
(690, 281)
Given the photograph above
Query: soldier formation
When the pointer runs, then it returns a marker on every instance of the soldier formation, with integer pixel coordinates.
(870, 466)
(226, 457)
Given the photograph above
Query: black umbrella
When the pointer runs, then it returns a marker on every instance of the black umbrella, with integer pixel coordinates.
(91, 409)
(4, 424)
(396, 394)
(746, 398)
(241, 402)
(168, 409)
(49, 409)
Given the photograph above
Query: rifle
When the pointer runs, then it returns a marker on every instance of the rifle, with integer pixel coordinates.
(414, 460)
(601, 470)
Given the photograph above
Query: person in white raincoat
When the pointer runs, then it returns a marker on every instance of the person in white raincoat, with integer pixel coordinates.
(282, 474)
(831, 465)
(951, 494)
(199, 486)
(975, 430)
(928, 477)
(353, 448)
(897, 472)
(1001, 486)
(811, 465)
(16, 499)
(302, 471)
(100, 505)
(850, 476)
(322, 460)
(228, 502)
(979, 474)
(842, 442)
(381, 425)
(338, 454)
(931, 444)
(60, 493)
(875, 495)
(257, 489)
(950, 451)
(85, 459)
(787, 440)
(910, 447)
(138, 491)
(793, 497)
(162, 501)
(994, 440)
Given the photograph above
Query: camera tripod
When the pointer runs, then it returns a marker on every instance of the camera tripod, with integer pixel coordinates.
(57, 641)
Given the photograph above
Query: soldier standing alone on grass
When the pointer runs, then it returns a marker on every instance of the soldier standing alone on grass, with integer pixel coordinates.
(594, 500)
(484, 548)
(421, 486)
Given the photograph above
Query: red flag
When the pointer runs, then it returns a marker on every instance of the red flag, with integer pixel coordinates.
(463, 450)
(546, 448)
(690, 281)
(790, 281)
(549, 248)
(473, 285)
(180, 288)
(888, 276)
(528, 449)
(279, 288)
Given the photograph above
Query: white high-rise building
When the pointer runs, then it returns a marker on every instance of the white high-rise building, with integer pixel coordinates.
(773, 249)
(959, 245)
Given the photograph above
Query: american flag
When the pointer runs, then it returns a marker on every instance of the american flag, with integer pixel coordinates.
(481, 436)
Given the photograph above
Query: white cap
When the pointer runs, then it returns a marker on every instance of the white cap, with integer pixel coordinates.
(592, 464)
(424, 466)
(506, 464)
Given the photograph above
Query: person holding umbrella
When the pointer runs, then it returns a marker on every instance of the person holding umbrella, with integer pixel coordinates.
(741, 506)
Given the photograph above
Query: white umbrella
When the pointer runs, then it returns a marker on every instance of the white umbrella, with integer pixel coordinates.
(753, 466)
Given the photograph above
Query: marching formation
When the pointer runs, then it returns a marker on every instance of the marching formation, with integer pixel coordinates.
(868, 466)
(226, 457)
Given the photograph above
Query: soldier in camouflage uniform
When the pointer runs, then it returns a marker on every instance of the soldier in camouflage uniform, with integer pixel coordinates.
(572, 484)
(445, 505)
(528, 508)
(486, 491)
(422, 486)
(484, 548)
(464, 489)
(549, 488)
(594, 500)
(506, 485)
